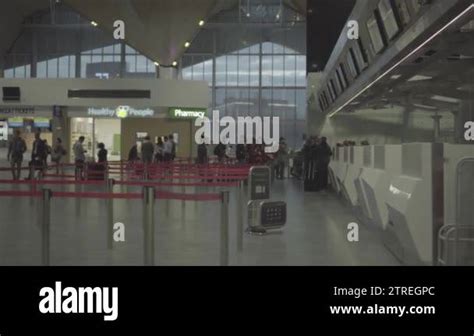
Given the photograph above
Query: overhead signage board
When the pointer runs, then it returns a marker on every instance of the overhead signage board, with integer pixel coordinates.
(15, 122)
(23, 111)
(41, 122)
(121, 112)
(186, 113)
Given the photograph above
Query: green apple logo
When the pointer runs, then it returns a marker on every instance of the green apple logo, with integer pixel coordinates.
(122, 111)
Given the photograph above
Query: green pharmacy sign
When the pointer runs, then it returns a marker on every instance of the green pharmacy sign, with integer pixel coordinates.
(187, 113)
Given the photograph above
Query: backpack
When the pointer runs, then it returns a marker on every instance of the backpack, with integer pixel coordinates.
(18, 147)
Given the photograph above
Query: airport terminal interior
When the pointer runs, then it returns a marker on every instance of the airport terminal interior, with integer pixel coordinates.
(373, 101)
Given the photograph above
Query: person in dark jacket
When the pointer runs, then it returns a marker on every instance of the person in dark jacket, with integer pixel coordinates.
(133, 154)
(202, 152)
(102, 154)
(39, 155)
(147, 151)
(240, 153)
(219, 151)
(16, 149)
(324, 154)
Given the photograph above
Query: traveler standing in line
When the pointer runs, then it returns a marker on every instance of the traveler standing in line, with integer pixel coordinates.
(281, 158)
(202, 152)
(159, 151)
(173, 147)
(220, 152)
(79, 157)
(324, 158)
(102, 154)
(16, 149)
(240, 153)
(48, 152)
(168, 150)
(38, 155)
(133, 154)
(147, 151)
(102, 160)
(57, 153)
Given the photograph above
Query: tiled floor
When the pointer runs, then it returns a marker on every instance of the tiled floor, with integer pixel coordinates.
(315, 234)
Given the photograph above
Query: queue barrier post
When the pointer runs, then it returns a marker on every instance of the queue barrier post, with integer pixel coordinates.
(240, 216)
(46, 227)
(149, 226)
(110, 215)
(224, 257)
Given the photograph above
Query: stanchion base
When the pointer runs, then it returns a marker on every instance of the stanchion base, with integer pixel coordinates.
(255, 231)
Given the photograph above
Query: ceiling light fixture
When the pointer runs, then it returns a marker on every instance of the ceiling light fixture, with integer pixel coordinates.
(467, 10)
(445, 99)
(95, 24)
(175, 63)
(157, 64)
(187, 44)
(201, 23)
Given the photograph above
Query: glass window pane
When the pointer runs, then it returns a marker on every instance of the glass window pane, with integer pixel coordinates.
(278, 48)
(109, 49)
(231, 70)
(187, 73)
(41, 69)
(64, 67)
(220, 100)
(255, 49)
(278, 71)
(198, 71)
(131, 63)
(53, 68)
(208, 71)
(254, 70)
(130, 50)
(97, 59)
(85, 60)
(290, 70)
(72, 66)
(301, 71)
(267, 48)
(20, 72)
(221, 71)
(9, 73)
(267, 70)
(141, 64)
(244, 70)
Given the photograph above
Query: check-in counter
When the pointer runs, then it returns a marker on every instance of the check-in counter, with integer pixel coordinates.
(381, 165)
(408, 192)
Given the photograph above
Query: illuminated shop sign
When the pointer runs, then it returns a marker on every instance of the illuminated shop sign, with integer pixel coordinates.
(120, 112)
(187, 113)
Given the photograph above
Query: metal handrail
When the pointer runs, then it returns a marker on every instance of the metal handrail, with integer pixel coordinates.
(450, 233)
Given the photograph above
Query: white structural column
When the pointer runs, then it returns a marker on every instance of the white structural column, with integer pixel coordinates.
(167, 73)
